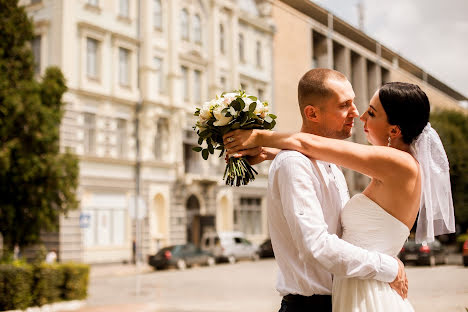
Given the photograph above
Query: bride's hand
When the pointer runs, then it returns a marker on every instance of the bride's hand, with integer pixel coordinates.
(400, 284)
(238, 140)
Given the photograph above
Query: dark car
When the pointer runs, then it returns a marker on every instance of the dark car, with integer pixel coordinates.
(465, 253)
(265, 250)
(181, 257)
(423, 253)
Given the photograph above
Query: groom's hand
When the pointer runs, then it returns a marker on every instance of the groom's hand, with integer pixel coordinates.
(400, 284)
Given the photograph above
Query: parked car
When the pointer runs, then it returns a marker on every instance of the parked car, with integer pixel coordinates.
(265, 250)
(181, 257)
(229, 246)
(465, 253)
(423, 253)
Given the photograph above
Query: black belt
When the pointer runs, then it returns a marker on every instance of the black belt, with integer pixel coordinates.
(314, 299)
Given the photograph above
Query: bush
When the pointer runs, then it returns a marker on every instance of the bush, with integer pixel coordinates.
(75, 286)
(48, 282)
(23, 285)
(16, 282)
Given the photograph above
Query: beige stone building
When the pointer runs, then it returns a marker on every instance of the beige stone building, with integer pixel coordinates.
(136, 70)
(308, 36)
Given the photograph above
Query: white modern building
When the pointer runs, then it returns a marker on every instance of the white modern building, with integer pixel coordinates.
(135, 72)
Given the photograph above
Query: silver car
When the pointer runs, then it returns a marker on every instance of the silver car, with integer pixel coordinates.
(229, 246)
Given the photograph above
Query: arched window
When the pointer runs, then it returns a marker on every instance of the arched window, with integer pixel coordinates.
(184, 26)
(221, 38)
(241, 48)
(157, 14)
(197, 31)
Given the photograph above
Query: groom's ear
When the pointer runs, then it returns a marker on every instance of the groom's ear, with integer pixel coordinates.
(311, 113)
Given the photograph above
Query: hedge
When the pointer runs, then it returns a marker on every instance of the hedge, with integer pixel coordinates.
(15, 286)
(23, 285)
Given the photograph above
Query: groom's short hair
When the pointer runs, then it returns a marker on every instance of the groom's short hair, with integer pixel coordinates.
(312, 87)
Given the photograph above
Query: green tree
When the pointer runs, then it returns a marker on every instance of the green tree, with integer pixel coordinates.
(452, 127)
(37, 182)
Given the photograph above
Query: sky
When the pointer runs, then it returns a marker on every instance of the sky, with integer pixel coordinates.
(433, 34)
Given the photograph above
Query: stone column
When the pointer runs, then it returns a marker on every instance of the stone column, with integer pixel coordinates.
(213, 50)
(233, 47)
(330, 41)
(174, 77)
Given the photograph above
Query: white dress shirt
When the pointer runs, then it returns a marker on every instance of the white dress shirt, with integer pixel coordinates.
(305, 199)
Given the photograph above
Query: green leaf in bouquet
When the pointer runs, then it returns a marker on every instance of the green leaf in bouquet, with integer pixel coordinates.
(224, 111)
(197, 149)
(252, 107)
(236, 105)
(222, 94)
(205, 154)
(222, 152)
(242, 104)
(205, 134)
(210, 149)
(235, 126)
(253, 98)
(268, 119)
(200, 140)
(219, 147)
(272, 116)
(273, 124)
(197, 113)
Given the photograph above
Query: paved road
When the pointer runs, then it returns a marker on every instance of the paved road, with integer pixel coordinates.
(249, 286)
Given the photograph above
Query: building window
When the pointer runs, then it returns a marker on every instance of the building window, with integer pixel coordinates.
(89, 133)
(121, 137)
(259, 54)
(222, 80)
(222, 48)
(124, 72)
(93, 2)
(123, 8)
(260, 94)
(92, 58)
(197, 86)
(248, 215)
(185, 82)
(36, 50)
(197, 30)
(184, 26)
(161, 139)
(241, 48)
(158, 64)
(157, 14)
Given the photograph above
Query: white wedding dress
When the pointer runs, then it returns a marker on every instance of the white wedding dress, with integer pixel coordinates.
(367, 225)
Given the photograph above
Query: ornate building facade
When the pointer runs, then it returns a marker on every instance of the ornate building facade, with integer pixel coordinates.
(135, 71)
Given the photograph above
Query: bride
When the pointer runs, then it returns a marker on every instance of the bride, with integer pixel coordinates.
(409, 174)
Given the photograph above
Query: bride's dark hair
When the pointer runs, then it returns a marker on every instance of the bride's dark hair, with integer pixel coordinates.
(407, 107)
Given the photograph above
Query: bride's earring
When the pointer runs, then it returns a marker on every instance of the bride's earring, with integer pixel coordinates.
(389, 142)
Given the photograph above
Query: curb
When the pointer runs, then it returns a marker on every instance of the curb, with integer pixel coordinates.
(55, 307)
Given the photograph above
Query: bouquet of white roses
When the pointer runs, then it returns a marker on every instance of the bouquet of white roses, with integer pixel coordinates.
(231, 111)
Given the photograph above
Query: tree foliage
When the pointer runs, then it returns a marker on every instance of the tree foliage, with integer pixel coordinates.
(37, 182)
(453, 130)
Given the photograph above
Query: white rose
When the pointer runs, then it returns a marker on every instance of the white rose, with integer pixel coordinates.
(221, 119)
(205, 111)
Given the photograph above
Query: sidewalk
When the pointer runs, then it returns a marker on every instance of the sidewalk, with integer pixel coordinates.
(149, 307)
(118, 269)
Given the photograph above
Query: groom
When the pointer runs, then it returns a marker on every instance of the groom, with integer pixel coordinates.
(305, 199)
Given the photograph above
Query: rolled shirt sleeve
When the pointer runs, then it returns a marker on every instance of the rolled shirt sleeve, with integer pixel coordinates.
(303, 213)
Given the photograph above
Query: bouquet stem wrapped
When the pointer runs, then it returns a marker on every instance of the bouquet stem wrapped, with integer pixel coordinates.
(231, 111)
